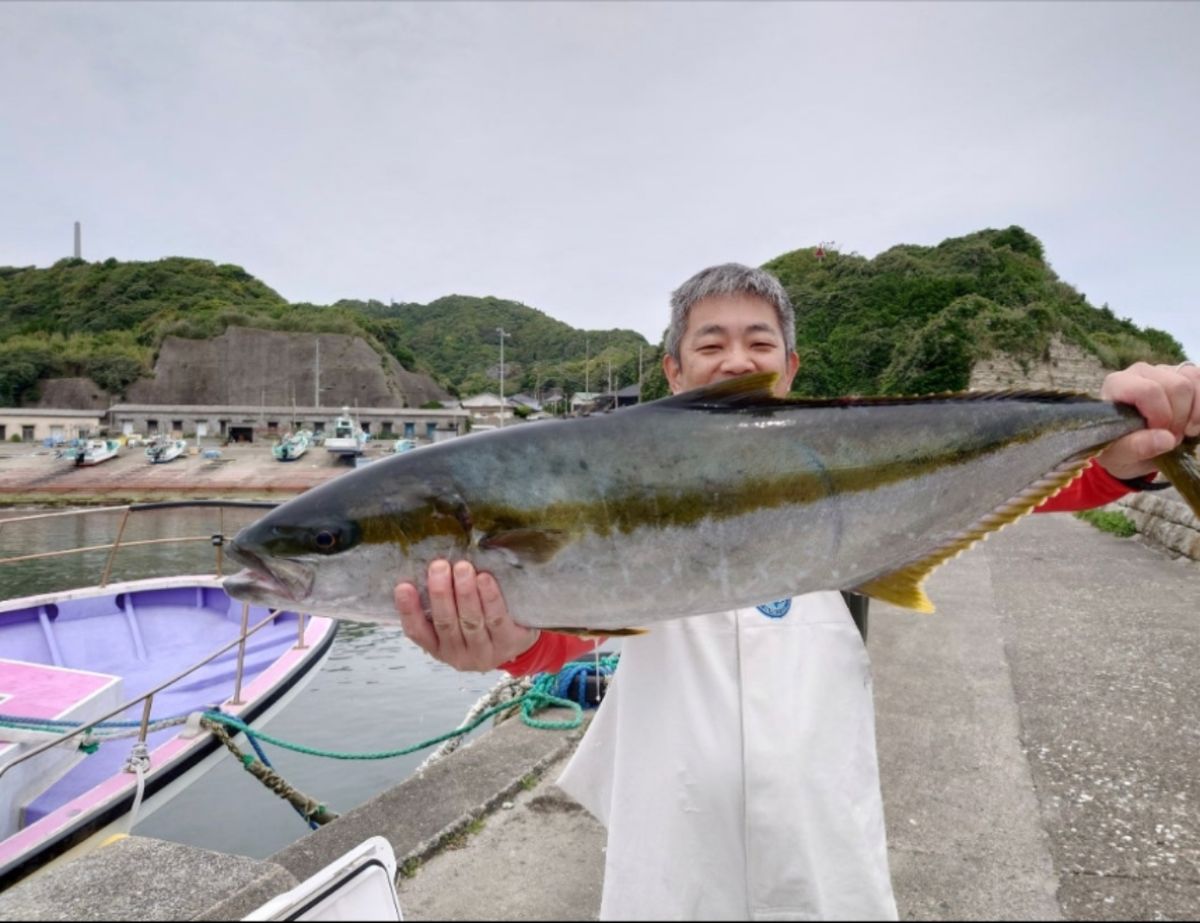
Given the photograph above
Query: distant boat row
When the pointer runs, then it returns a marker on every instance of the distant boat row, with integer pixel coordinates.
(348, 439)
(94, 451)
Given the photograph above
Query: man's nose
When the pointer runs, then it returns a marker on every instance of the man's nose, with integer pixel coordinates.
(738, 361)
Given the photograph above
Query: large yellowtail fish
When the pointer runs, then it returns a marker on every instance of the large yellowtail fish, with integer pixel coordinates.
(719, 498)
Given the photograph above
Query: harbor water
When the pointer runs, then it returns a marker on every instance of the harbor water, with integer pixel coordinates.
(376, 691)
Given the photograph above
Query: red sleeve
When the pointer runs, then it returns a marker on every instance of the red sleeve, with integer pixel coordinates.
(549, 652)
(1095, 487)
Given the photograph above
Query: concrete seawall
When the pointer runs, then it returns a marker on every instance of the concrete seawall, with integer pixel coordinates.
(1164, 520)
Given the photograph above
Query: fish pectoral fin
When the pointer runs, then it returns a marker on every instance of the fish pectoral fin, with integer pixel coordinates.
(600, 632)
(527, 546)
(902, 587)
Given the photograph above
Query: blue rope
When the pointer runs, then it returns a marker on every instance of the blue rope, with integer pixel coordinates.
(582, 669)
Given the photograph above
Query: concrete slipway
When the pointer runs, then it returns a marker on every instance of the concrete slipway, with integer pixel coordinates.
(1039, 739)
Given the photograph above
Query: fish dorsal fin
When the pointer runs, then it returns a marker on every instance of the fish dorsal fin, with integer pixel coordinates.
(746, 390)
(754, 390)
(903, 587)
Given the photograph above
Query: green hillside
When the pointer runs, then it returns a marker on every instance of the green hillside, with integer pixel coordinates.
(913, 319)
(458, 336)
(106, 320)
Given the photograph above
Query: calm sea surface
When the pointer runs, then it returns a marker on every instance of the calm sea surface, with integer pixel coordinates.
(376, 690)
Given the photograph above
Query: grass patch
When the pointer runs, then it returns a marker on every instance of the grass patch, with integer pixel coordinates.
(458, 840)
(410, 868)
(1109, 521)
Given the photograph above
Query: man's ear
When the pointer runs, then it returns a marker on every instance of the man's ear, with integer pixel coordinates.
(793, 366)
(673, 372)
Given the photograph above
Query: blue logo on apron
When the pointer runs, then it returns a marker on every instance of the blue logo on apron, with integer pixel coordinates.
(776, 610)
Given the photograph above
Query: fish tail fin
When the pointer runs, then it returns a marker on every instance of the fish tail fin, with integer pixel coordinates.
(1182, 468)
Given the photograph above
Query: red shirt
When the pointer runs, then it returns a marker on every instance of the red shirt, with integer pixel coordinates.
(1095, 487)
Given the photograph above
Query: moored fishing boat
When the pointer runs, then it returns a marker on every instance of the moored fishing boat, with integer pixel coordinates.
(292, 446)
(95, 451)
(348, 437)
(163, 450)
(118, 667)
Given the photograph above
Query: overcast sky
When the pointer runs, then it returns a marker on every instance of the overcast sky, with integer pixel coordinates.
(586, 158)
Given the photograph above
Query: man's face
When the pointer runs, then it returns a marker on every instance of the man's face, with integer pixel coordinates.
(728, 336)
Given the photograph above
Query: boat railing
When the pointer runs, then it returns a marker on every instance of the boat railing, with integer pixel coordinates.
(147, 698)
(217, 538)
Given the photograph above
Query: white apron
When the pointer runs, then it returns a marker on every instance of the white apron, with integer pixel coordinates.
(733, 762)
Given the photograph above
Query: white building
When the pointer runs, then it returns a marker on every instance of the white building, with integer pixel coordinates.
(486, 408)
(38, 424)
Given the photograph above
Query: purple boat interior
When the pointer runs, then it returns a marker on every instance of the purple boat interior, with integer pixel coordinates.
(143, 637)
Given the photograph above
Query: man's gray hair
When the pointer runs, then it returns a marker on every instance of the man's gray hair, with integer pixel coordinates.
(729, 279)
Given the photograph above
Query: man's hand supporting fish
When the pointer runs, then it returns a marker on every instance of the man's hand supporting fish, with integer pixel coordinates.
(470, 628)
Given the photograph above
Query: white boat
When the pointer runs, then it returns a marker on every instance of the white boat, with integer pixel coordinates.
(292, 446)
(145, 652)
(403, 445)
(348, 437)
(160, 451)
(94, 451)
(358, 885)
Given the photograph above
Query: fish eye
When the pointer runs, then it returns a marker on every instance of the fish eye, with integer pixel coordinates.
(326, 540)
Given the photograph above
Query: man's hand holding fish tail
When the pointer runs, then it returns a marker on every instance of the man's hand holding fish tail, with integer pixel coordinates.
(1169, 398)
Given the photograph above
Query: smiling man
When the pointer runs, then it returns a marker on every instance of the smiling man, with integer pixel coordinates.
(733, 759)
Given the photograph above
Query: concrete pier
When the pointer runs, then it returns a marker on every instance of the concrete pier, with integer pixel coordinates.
(1038, 742)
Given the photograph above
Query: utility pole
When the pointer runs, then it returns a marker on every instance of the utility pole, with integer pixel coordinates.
(503, 334)
(317, 375)
(587, 358)
(639, 400)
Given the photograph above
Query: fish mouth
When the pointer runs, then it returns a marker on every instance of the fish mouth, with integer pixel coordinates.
(282, 579)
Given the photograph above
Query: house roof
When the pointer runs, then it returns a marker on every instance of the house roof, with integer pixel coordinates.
(486, 399)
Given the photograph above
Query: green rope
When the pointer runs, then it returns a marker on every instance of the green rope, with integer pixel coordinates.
(534, 700)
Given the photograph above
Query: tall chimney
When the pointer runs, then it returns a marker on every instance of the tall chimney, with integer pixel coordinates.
(78, 242)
